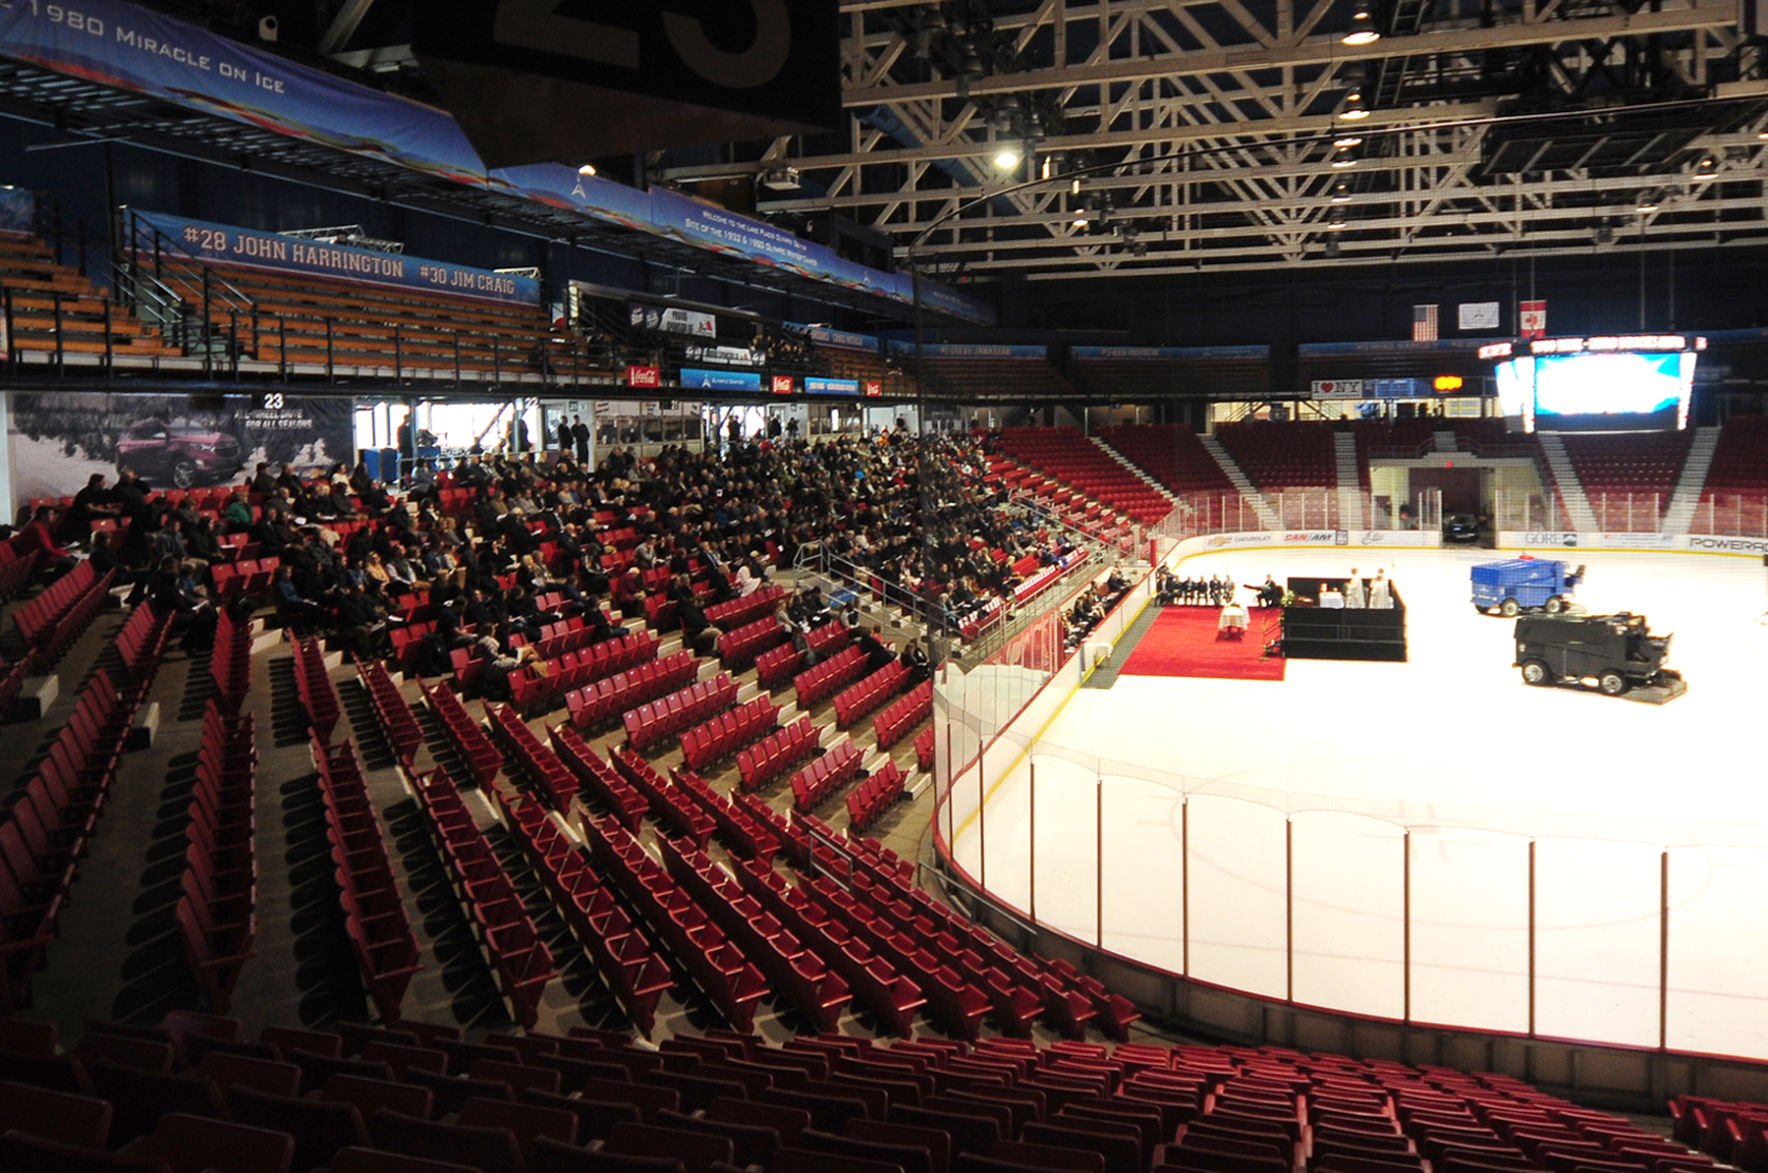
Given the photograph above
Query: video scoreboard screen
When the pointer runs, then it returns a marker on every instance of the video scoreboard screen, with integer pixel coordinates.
(1624, 383)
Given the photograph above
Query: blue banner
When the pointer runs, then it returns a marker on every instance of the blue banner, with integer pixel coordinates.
(117, 44)
(291, 254)
(704, 380)
(839, 339)
(816, 385)
(1447, 345)
(938, 350)
(1169, 352)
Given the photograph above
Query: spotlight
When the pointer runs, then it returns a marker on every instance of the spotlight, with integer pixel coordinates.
(1362, 30)
(267, 29)
(586, 169)
(1705, 170)
(1007, 157)
(1074, 186)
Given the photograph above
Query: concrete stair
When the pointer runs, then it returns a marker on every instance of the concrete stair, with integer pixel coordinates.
(1685, 499)
(1350, 481)
(1445, 440)
(1571, 490)
(1267, 516)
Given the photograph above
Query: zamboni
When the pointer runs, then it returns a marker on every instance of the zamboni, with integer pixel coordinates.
(1616, 654)
(1513, 585)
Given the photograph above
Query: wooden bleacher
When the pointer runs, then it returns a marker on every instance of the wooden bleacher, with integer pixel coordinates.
(322, 321)
(55, 306)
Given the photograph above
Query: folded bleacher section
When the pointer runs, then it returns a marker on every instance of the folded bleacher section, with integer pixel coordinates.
(1170, 453)
(1628, 477)
(1063, 464)
(1735, 497)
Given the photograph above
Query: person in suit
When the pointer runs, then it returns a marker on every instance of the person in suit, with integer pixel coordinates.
(580, 434)
(567, 439)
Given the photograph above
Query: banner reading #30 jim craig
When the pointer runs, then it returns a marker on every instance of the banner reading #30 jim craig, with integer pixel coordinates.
(59, 438)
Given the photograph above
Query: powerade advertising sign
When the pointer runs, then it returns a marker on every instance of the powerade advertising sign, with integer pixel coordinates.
(816, 385)
(704, 380)
(291, 254)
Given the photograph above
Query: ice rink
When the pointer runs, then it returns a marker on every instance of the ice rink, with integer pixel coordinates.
(1271, 836)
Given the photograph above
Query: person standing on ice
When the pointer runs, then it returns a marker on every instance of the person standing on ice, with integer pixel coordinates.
(1354, 599)
(1380, 598)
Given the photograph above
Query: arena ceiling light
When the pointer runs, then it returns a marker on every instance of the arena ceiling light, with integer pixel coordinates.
(1647, 202)
(1007, 157)
(1341, 192)
(1343, 157)
(587, 169)
(1705, 170)
(1354, 108)
(1344, 140)
(1362, 30)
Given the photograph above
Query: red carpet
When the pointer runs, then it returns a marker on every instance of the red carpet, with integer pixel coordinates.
(1183, 642)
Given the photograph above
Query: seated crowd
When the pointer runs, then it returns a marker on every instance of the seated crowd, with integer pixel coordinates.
(496, 547)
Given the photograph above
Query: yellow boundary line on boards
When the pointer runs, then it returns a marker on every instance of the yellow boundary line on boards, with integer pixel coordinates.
(1014, 764)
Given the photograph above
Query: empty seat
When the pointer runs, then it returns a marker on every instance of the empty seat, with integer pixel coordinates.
(53, 1115)
(192, 1144)
(21, 1150)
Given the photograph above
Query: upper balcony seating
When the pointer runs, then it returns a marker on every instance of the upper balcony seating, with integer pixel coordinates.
(991, 377)
(317, 321)
(1170, 453)
(54, 307)
(1282, 456)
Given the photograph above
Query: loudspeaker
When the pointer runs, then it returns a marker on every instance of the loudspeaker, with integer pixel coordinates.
(267, 29)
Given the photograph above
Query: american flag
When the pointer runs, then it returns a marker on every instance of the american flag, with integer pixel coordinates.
(1424, 323)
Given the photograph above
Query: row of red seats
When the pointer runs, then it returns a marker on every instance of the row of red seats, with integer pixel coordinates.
(779, 664)
(54, 618)
(679, 816)
(16, 569)
(903, 714)
(602, 701)
(875, 795)
(779, 751)
(741, 833)
(466, 735)
(1016, 983)
(815, 783)
(410, 644)
(736, 612)
(374, 910)
(716, 963)
(1733, 1131)
(814, 685)
(854, 702)
(230, 660)
(738, 647)
(398, 723)
(313, 684)
(628, 966)
(525, 754)
(217, 909)
(531, 686)
(567, 635)
(729, 732)
(794, 841)
(924, 746)
(891, 998)
(661, 719)
(521, 960)
(797, 974)
(597, 780)
(45, 833)
(249, 579)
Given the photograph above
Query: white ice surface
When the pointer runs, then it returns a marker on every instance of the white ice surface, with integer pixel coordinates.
(1454, 749)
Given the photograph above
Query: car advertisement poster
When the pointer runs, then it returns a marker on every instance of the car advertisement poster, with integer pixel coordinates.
(59, 438)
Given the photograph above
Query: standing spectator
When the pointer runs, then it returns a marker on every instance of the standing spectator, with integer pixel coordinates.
(580, 434)
(92, 501)
(1380, 593)
(1354, 597)
(567, 438)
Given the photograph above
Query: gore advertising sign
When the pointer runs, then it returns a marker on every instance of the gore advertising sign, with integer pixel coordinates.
(672, 73)
(644, 377)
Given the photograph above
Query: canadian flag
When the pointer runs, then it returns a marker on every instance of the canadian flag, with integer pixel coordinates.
(1532, 320)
